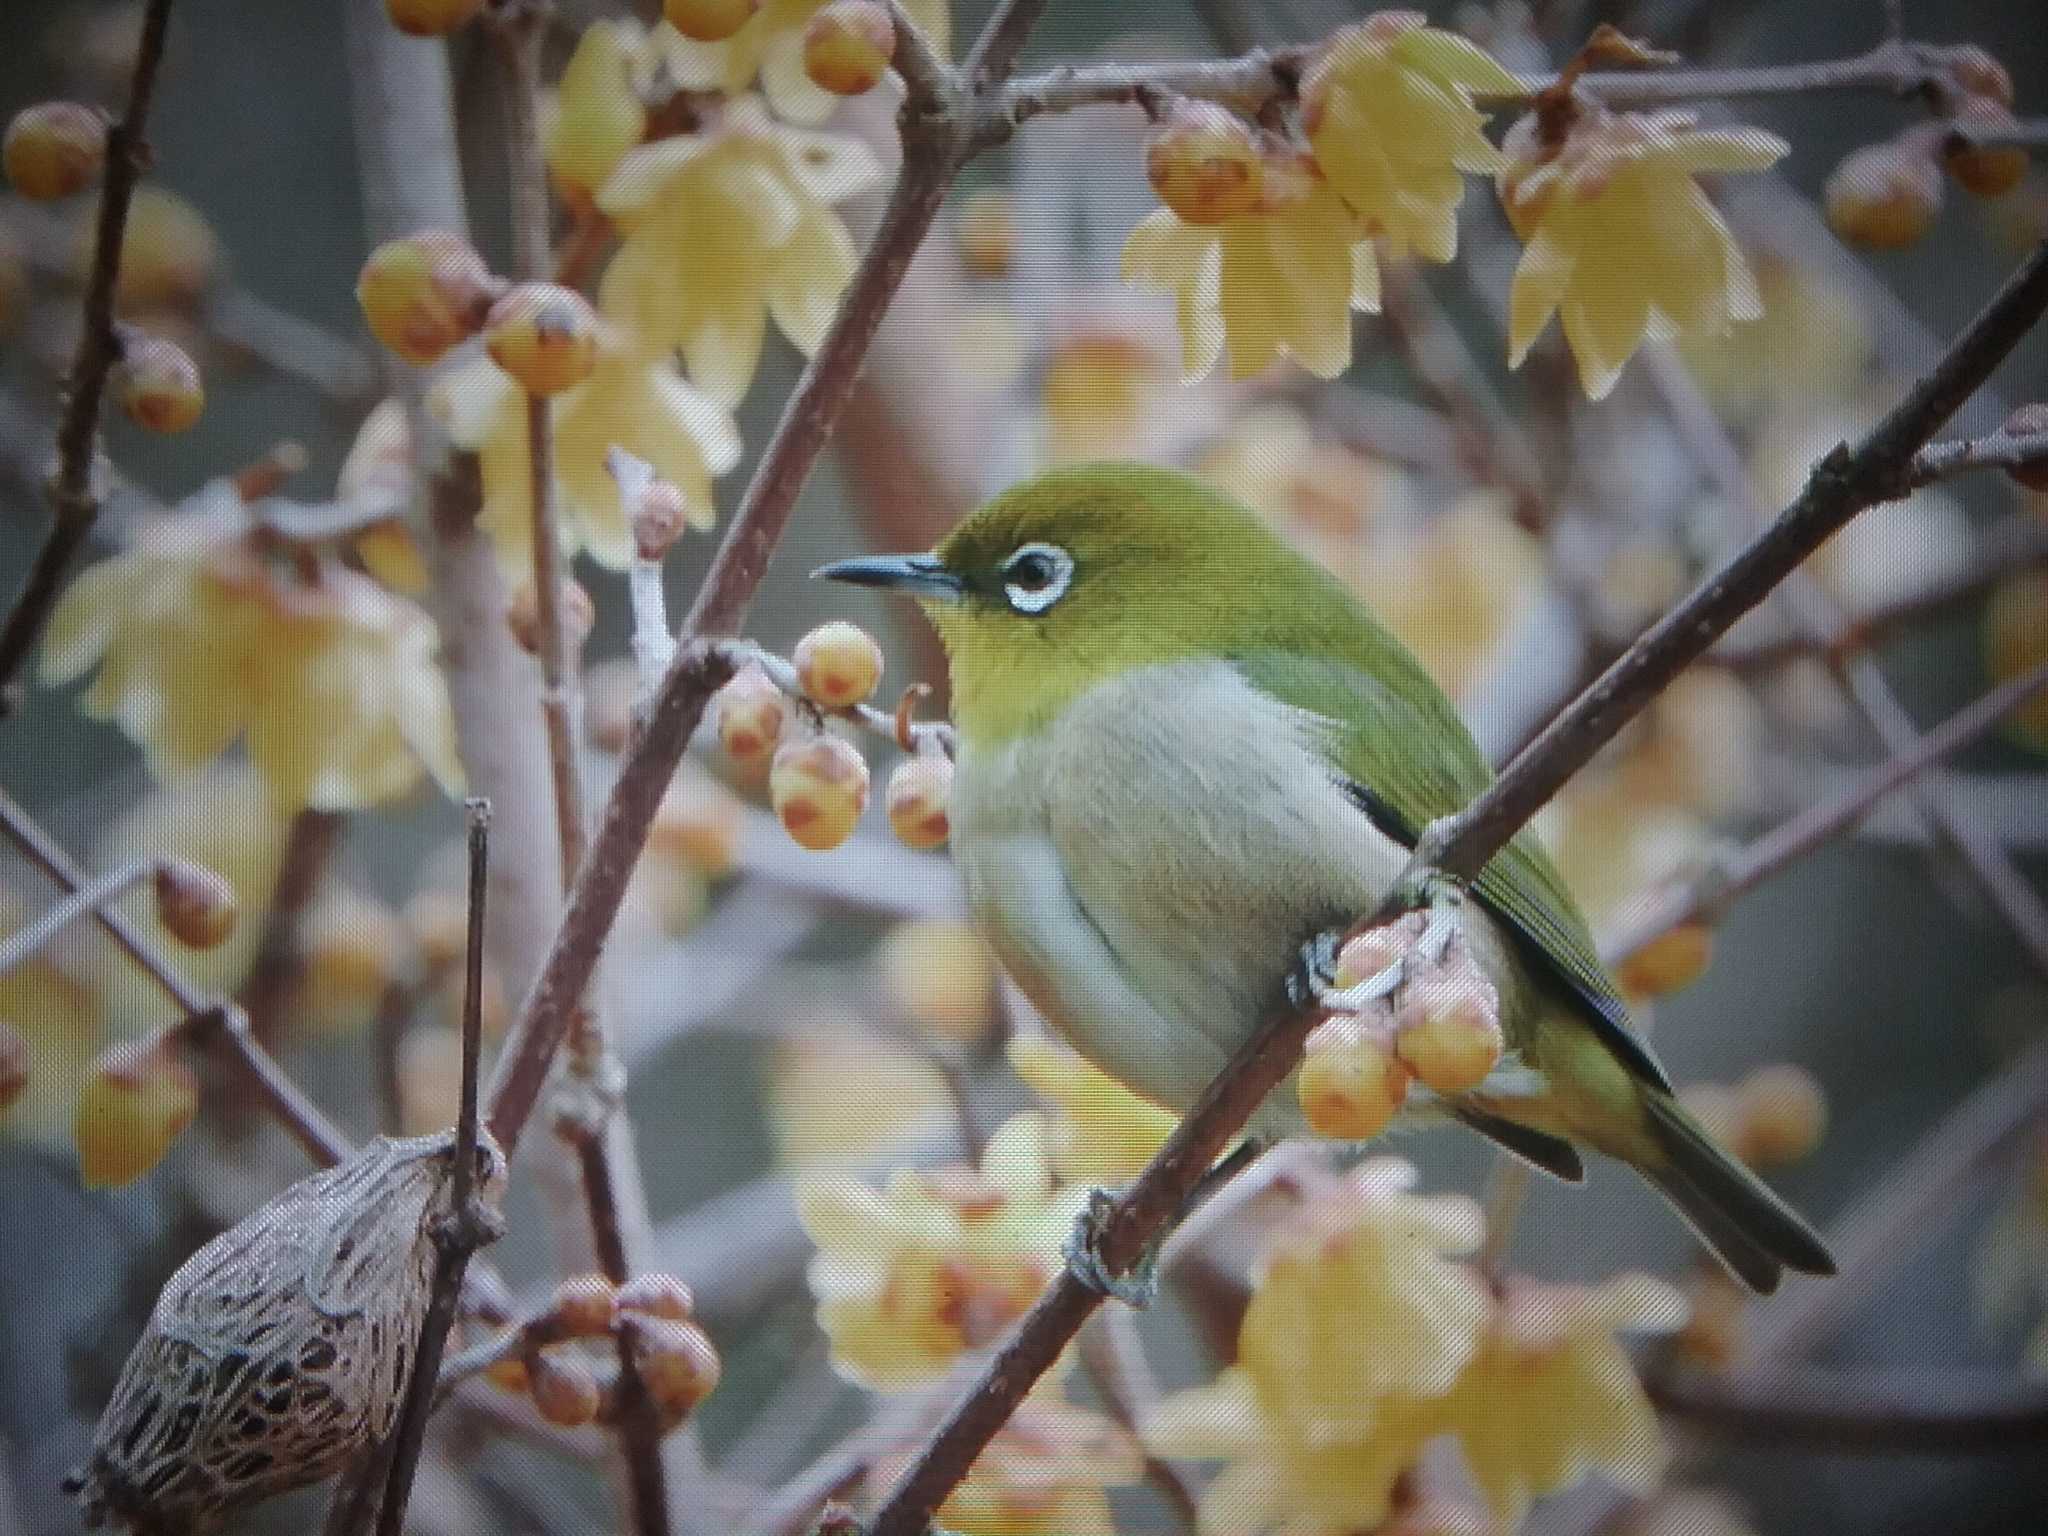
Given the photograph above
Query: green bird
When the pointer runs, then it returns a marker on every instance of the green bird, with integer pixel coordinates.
(1187, 756)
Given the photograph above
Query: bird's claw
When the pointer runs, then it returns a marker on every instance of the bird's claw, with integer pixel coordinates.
(1083, 1253)
(1314, 971)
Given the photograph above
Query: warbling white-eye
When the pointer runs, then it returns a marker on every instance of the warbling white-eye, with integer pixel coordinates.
(1187, 754)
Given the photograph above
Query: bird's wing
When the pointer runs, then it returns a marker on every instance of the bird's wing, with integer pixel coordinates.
(1406, 759)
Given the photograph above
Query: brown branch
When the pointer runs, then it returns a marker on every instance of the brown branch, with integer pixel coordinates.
(1844, 484)
(1862, 1409)
(72, 496)
(201, 1018)
(1710, 897)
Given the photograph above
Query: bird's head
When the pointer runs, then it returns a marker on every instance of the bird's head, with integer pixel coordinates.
(1074, 576)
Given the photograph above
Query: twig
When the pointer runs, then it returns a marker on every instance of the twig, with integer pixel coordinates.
(1710, 897)
(201, 1017)
(72, 496)
(934, 735)
(468, 1224)
(1874, 1410)
(2028, 133)
(95, 894)
(933, 147)
(1841, 486)
(1995, 450)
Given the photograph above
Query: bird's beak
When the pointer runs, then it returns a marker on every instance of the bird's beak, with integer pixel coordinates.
(920, 575)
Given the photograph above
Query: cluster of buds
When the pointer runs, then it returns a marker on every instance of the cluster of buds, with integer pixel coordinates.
(54, 149)
(548, 1360)
(1887, 195)
(1438, 1021)
(424, 293)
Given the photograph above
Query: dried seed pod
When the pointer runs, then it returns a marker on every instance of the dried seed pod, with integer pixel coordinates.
(281, 1349)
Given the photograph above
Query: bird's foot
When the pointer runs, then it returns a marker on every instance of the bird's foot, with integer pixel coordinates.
(1083, 1253)
(1442, 902)
(1314, 971)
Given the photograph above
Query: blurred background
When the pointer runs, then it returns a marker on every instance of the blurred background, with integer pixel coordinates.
(780, 1009)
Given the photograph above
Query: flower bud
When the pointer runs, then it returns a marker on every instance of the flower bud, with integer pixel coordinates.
(1367, 954)
(13, 1066)
(1883, 195)
(1448, 1031)
(1783, 1115)
(1669, 963)
(1351, 1083)
(575, 612)
(431, 18)
(544, 335)
(750, 713)
(54, 148)
(351, 947)
(987, 234)
(838, 664)
(509, 1374)
(1980, 74)
(819, 787)
(196, 906)
(848, 46)
(938, 971)
(2030, 420)
(1717, 1107)
(564, 1389)
(698, 824)
(659, 516)
(137, 1098)
(678, 1365)
(1716, 1318)
(657, 1295)
(709, 21)
(169, 253)
(583, 1307)
(158, 384)
(1987, 171)
(1205, 163)
(919, 796)
(423, 293)
(439, 922)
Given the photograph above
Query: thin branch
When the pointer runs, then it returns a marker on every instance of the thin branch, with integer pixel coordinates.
(909, 736)
(1844, 484)
(1710, 897)
(200, 1017)
(1872, 1410)
(1995, 450)
(2027, 133)
(72, 495)
(97, 893)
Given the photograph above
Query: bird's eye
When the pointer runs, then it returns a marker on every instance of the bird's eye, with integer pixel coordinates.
(1036, 577)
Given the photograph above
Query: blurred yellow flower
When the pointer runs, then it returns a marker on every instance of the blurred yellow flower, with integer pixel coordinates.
(1388, 110)
(1098, 392)
(1550, 1395)
(1817, 346)
(1326, 494)
(1101, 1132)
(1620, 238)
(1615, 846)
(203, 631)
(1047, 1473)
(771, 47)
(726, 228)
(58, 1018)
(637, 402)
(1278, 282)
(833, 1062)
(936, 1262)
(596, 114)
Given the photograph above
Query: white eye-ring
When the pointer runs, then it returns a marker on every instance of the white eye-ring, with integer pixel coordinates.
(1036, 577)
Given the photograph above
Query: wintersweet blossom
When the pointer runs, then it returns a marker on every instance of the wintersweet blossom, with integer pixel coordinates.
(1046, 1473)
(1280, 281)
(938, 1260)
(1388, 109)
(58, 1019)
(727, 228)
(595, 115)
(632, 399)
(203, 632)
(770, 48)
(1622, 243)
(1551, 1395)
(1101, 1131)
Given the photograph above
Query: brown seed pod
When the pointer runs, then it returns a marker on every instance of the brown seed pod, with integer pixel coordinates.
(281, 1349)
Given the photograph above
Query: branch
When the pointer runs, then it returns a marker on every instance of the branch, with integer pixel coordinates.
(1995, 450)
(201, 1017)
(2028, 133)
(1710, 897)
(1844, 484)
(1874, 1410)
(71, 488)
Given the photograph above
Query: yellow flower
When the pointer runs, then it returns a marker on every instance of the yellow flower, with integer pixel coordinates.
(1388, 109)
(937, 1261)
(596, 114)
(1280, 282)
(726, 228)
(830, 1064)
(1275, 1482)
(639, 403)
(1622, 242)
(1102, 1133)
(58, 1018)
(1817, 346)
(1551, 1395)
(771, 46)
(1046, 1473)
(202, 634)
(1326, 494)
(1357, 1304)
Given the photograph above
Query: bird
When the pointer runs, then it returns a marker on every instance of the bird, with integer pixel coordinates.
(1187, 755)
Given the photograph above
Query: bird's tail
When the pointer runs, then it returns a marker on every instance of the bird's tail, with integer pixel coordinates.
(1749, 1228)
